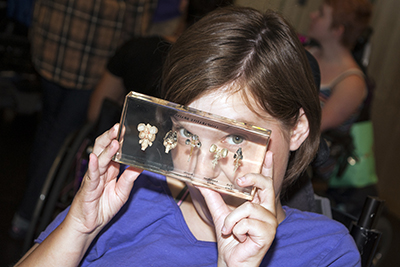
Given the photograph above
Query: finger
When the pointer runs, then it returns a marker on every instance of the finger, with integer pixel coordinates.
(92, 176)
(265, 194)
(243, 228)
(260, 232)
(216, 205)
(246, 211)
(107, 155)
(126, 181)
(105, 139)
(268, 165)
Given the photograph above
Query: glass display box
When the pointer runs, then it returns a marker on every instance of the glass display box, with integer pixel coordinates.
(190, 145)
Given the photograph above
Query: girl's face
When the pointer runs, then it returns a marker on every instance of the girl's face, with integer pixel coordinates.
(223, 103)
(320, 24)
(216, 154)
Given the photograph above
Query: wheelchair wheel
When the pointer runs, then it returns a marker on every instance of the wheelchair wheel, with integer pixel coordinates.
(67, 171)
(62, 182)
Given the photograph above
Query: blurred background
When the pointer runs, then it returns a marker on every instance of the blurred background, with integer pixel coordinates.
(20, 108)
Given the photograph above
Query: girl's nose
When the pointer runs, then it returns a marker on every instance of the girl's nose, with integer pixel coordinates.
(208, 161)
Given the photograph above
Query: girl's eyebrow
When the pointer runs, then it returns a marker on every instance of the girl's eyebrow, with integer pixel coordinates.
(248, 122)
(174, 120)
(177, 122)
(265, 120)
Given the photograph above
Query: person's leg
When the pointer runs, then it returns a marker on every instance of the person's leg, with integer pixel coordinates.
(64, 111)
(51, 96)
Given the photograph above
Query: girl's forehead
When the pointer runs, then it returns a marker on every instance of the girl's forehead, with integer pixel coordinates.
(232, 105)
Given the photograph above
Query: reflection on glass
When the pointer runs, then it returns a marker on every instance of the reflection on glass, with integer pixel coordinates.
(190, 145)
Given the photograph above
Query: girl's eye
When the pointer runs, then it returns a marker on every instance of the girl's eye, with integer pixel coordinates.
(235, 139)
(185, 133)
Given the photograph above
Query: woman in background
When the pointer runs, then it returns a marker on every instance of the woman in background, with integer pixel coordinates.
(336, 27)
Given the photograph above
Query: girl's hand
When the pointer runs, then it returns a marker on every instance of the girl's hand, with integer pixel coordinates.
(245, 234)
(101, 196)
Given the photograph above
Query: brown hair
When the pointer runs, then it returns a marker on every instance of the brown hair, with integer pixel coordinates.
(258, 53)
(354, 15)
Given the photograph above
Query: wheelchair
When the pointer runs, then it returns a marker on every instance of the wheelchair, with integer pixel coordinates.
(66, 173)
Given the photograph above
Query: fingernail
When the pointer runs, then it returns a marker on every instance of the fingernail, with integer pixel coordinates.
(223, 230)
(241, 180)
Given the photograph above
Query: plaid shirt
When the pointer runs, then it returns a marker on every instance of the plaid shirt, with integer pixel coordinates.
(72, 40)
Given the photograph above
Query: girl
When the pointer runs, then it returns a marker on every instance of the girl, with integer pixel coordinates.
(236, 63)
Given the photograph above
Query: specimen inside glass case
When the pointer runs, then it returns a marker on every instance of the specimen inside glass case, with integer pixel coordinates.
(190, 145)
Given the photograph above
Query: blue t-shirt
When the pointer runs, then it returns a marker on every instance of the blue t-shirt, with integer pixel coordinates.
(150, 231)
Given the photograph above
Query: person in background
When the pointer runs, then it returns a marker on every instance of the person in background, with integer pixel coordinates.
(137, 65)
(237, 63)
(20, 11)
(335, 29)
(71, 42)
(167, 16)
